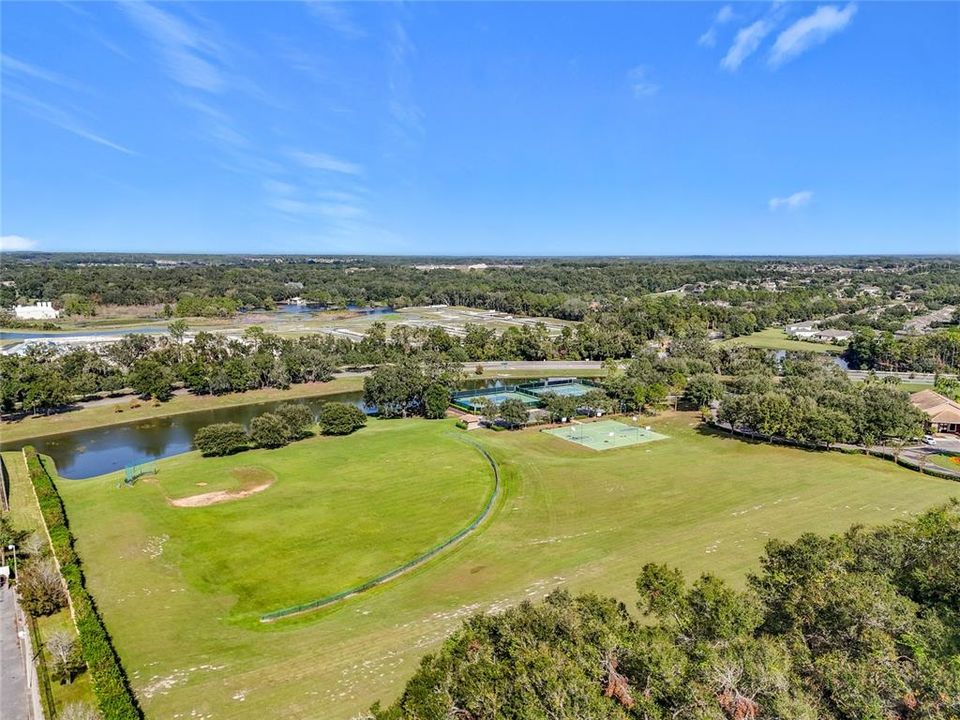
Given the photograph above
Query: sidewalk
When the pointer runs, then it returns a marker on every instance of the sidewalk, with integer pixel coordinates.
(14, 645)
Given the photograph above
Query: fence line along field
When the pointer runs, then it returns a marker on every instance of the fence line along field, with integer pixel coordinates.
(180, 587)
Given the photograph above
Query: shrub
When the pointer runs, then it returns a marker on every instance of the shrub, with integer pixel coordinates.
(221, 439)
(297, 417)
(41, 588)
(78, 711)
(65, 658)
(268, 431)
(340, 418)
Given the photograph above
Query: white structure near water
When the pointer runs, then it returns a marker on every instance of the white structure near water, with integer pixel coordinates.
(39, 311)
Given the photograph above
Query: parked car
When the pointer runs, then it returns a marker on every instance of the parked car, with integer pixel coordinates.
(929, 440)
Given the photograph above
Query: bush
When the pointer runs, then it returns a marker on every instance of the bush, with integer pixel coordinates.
(221, 439)
(78, 711)
(41, 588)
(298, 419)
(66, 661)
(340, 418)
(268, 431)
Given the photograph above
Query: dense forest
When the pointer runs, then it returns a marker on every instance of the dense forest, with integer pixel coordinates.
(775, 290)
(860, 626)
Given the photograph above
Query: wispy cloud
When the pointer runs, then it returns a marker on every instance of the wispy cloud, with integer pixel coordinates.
(723, 16)
(18, 68)
(190, 57)
(335, 16)
(791, 202)
(640, 82)
(811, 30)
(403, 108)
(63, 119)
(746, 42)
(322, 161)
(13, 243)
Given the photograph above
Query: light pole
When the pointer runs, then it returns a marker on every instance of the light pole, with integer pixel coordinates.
(13, 547)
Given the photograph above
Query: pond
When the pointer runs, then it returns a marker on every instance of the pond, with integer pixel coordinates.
(95, 451)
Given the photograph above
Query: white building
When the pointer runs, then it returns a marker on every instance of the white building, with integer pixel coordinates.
(40, 311)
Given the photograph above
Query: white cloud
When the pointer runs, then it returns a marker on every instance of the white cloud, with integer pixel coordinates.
(335, 17)
(811, 30)
(13, 243)
(60, 118)
(723, 16)
(15, 67)
(322, 161)
(746, 42)
(709, 38)
(792, 202)
(190, 57)
(639, 78)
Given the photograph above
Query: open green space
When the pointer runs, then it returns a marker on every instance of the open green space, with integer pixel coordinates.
(305, 521)
(173, 585)
(777, 339)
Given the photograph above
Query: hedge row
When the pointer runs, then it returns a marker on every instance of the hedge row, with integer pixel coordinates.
(114, 697)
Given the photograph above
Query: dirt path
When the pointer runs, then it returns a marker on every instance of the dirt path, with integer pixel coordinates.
(218, 496)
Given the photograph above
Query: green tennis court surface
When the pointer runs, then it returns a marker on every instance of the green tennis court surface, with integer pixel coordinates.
(605, 435)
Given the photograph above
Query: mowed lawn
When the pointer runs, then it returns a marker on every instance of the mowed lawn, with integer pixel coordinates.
(325, 514)
(169, 589)
(777, 339)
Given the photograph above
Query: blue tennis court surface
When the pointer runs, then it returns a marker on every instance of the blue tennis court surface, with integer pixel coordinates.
(570, 389)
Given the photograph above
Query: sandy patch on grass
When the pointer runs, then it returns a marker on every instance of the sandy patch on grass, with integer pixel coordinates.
(255, 480)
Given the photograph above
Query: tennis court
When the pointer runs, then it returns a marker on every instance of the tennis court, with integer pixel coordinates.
(472, 402)
(605, 435)
(567, 389)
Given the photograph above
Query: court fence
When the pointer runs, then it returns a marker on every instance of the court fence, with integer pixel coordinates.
(530, 393)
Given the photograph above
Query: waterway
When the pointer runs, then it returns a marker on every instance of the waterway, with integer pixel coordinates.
(96, 451)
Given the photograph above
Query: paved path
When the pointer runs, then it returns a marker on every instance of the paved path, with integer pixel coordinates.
(14, 694)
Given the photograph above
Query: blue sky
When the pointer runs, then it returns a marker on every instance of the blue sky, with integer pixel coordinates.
(487, 128)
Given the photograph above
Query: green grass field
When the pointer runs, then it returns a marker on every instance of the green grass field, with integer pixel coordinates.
(178, 587)
(777, 339)
(945, 461)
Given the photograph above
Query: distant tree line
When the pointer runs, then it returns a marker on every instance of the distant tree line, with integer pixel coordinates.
(849, 627)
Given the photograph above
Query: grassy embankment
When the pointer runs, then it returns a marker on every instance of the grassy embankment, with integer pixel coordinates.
(25, 515)
(180, 588)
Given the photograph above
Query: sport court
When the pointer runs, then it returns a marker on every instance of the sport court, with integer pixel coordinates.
(605, 434)
(473, 402)
(566, 389)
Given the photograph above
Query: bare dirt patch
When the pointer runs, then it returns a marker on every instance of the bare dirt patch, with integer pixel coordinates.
(253, 480)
